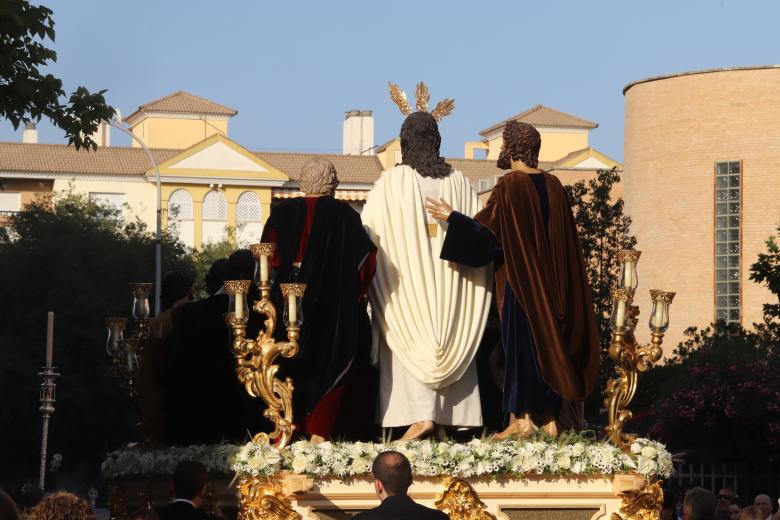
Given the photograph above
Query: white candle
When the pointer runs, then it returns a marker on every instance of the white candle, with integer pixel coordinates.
(239, 306)
(292, 310)
(263, 268)
(658, 317)
(49, 339)
(628, 274)
(620, 318)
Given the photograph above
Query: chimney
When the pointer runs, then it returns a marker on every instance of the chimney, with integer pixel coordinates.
(358, 132)
(30, 134)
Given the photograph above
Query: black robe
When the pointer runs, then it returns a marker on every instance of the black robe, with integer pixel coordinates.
(334, 329)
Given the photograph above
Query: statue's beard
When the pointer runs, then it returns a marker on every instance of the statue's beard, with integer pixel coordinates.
(503, 162)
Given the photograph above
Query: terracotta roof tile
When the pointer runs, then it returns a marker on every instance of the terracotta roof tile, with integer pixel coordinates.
(544, 116)
(184, 103)
(58, 158)
(352, 169)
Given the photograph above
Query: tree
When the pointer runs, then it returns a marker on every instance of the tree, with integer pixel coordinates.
(602, 229)
(26, 93)
(74, 257)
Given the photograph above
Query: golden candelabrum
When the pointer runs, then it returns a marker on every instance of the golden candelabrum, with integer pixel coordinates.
(631, 358)
(255, 358)
(125, 352)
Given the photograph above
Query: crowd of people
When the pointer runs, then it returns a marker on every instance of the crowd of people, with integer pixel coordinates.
(698, 503)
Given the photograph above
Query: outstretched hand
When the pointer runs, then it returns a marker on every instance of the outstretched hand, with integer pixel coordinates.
(438, 209)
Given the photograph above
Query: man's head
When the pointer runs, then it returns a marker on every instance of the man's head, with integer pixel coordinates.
(216, 275)
(420, 142)
(725, 495)
(392, 474)
(189, 481)
(764, 503)
(699, 504)
(176, 287)
(521, 143)
(318, 177)
(241, 264)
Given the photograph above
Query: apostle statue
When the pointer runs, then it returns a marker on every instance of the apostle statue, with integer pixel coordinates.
(549, 333)
(321, 242)
(428, 314)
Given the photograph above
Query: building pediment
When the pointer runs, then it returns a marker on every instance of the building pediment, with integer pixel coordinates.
(219, 160)
(587, 159)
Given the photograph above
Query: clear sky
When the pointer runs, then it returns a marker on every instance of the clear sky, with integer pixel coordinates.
(291, 68)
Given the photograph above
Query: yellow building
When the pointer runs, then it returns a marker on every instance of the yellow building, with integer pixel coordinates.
(210, 182)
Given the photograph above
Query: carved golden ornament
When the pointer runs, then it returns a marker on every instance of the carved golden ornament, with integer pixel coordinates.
(113, 321)
(443, 108)
(237, 286)
(461, 502)
(642, 505)
(262, 249)
(432, 230)
(140, 290)
(116, 503)
(294, 289)
(662, 296)
(628, 255)
(255, 366)
(209, 504)
(262, 499)
(625, 294)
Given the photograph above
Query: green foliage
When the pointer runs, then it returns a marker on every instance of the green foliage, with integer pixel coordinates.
(603, 229)
(71, 256)
(26, 93)
(209, 253)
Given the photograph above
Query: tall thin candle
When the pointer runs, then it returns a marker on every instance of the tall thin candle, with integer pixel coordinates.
(49, 339)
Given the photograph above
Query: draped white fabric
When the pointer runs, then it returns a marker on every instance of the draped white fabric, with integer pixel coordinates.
(429, 312)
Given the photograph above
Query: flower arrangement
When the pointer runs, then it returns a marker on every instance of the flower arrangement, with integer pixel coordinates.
(570, 455)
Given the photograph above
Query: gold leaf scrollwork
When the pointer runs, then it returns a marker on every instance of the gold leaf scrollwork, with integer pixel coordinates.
(461, 502)
(642, 505)
(264, 500)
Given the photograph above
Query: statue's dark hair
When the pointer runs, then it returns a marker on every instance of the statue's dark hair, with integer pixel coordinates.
(420, 142)
(521, 143)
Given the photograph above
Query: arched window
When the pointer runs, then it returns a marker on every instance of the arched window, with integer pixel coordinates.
(215, 206)
(180, 216)
(248, 207)
(180, 205)
(248, 213)
(214, 214)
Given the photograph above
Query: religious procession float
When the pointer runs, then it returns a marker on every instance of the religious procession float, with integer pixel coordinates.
(609, 474)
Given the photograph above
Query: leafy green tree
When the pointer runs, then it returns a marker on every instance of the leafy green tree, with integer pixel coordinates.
(603, 228)
(210, 252)
(71, 256)
(28, 94)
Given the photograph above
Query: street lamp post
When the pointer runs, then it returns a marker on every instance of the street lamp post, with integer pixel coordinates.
(158, 243)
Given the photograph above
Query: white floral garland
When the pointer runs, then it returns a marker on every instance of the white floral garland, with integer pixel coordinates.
(572, 457)
(569, 456)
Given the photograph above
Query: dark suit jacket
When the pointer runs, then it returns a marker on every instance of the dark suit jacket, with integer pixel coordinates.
(183, 511)
(401, 507)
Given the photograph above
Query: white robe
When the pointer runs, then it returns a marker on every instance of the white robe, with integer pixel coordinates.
(428, 315)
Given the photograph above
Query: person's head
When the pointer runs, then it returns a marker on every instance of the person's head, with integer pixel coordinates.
(62, 506)
(8, 510)
(31, 496)
(177, 287)
(699, 504)
(189, 481)
(216, 275)
(420, 142)
(392, 474)
(725, 495)
(318, 177)
(764, 503)
(521, 143)
(752, 513)
(242, 265)
(143, 514)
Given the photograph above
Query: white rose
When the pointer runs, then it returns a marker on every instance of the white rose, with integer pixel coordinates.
(648, 451)
(636, 448)
(564, 461)
(299, 464)
(577, 449)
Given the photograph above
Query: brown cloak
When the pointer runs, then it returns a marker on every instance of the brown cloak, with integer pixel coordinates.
(547, 276)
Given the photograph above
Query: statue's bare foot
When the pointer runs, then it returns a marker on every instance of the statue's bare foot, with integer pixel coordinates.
(520, 428)
(317, 439)
(417, 431)
(551, 428)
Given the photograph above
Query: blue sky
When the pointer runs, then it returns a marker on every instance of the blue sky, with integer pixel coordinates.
(293, 68)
